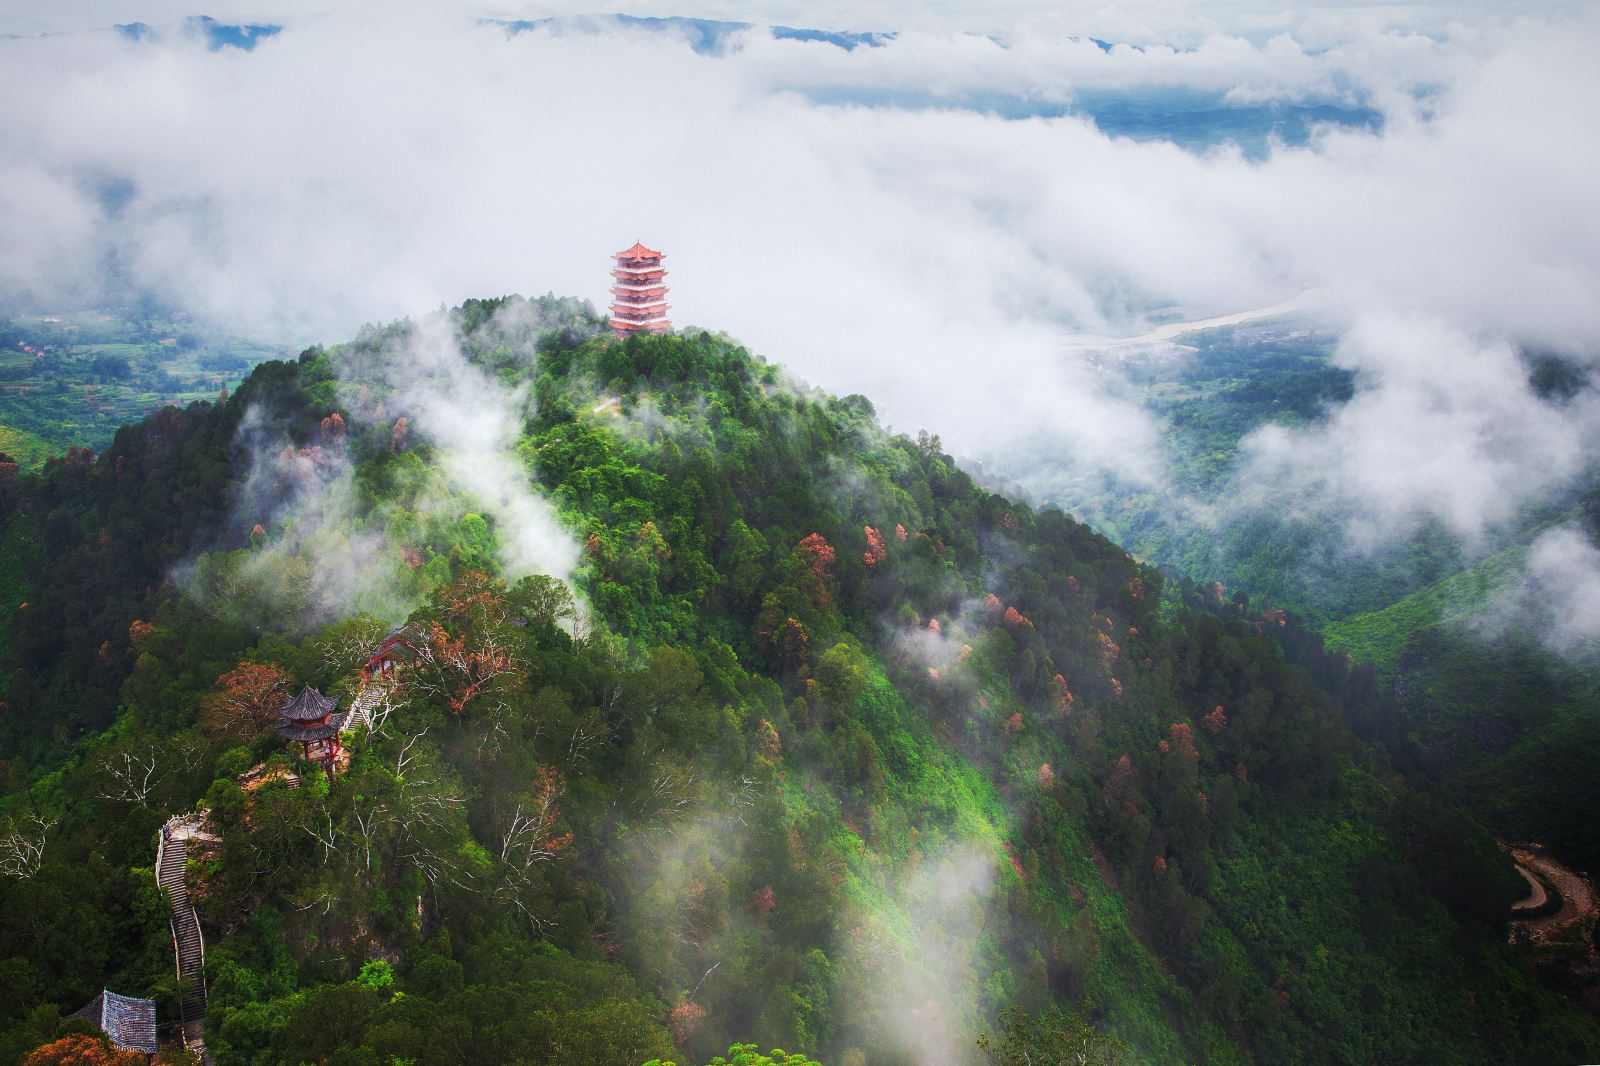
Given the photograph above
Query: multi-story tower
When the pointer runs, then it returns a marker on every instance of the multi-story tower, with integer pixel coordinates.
(639, 298)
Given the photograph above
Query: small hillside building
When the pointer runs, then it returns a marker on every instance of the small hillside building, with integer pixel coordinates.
(311, 718)
(130, 1023)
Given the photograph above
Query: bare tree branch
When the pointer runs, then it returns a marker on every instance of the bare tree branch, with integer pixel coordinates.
(22, 845)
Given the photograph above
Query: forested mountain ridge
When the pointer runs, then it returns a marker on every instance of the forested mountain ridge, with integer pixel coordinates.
(844, 754)
(1506, 719)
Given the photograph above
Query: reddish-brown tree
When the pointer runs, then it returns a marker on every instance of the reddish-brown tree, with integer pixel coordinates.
(767, 740)
(1121, 791)
(685, 1020)
(463, 666)
(1182, 738)
(82, 1050)
(792, 641)
(876, 551)
(819, 558)
(1216, 721)
(1016, 619)
(528, 833)
(244, 701)
(1060, 693)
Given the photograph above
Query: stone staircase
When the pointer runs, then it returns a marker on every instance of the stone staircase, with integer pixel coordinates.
(188, 943)
(359, 718)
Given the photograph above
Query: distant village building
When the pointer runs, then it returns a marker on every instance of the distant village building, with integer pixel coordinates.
(639, 297)
(310, 719)
(129, 1022)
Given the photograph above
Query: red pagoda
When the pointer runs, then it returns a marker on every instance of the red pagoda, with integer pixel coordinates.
(639, 297)
(310, 719)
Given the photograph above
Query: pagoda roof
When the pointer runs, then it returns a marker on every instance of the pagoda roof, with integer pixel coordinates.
(638, 251)
(309, 706)
(129, 1022)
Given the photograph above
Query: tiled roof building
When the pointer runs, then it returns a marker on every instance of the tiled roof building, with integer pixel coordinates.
(129, 1022)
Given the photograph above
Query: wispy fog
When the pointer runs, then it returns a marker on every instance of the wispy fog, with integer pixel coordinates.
(359, 166)
(1555, 597)
(321, 549)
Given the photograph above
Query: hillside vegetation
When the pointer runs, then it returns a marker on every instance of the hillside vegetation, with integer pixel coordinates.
(70, 380)
(832, 749)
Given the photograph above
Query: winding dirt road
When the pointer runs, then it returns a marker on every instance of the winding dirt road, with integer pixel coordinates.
(1578, 905)
(1536, 893)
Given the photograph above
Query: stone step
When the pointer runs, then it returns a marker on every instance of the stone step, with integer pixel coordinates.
(172, 875)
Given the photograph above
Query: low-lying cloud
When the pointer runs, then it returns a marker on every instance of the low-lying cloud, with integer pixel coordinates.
(919, 953)
(474, 422)
(322, 550)
(354, 168)
(1556, 598)
(1443, 428)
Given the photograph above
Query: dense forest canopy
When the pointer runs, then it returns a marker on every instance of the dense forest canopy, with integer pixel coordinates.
(824, 746)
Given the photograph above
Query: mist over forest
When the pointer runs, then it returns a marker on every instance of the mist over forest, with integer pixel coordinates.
(1071, 534)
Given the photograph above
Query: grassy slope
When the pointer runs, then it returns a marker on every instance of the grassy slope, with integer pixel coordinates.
(1380, 637)
(29, 449)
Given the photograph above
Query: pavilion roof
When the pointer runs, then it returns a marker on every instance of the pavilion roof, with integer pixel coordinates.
(309, 706)
(638, 251)
(315, 731)
(129, 1022)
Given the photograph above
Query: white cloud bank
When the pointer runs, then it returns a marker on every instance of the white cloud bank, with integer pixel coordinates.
(1556, 597)
(357, 167)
